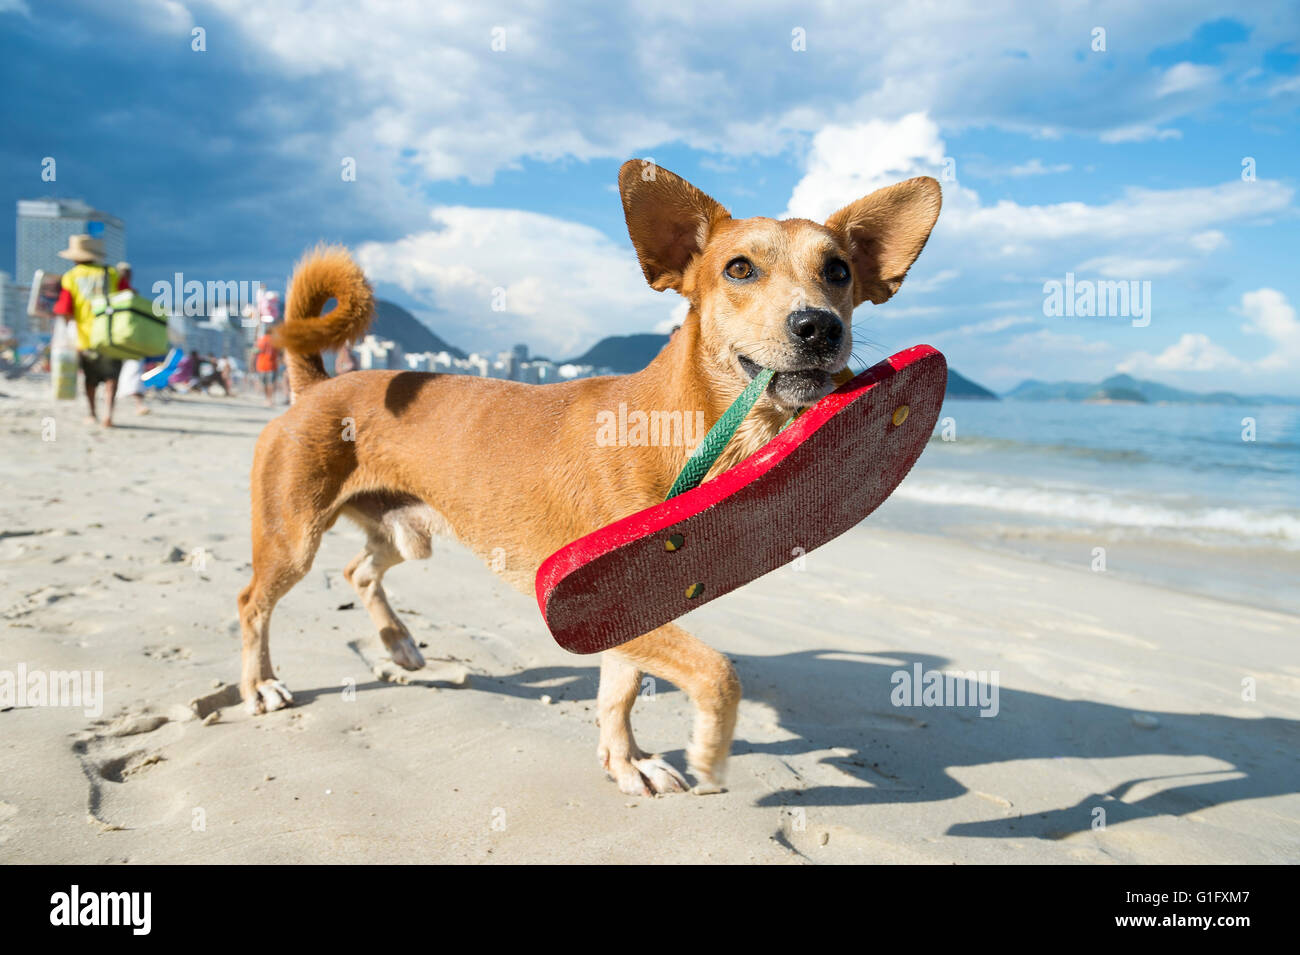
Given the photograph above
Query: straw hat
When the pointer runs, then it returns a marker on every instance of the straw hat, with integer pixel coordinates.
(83, 248)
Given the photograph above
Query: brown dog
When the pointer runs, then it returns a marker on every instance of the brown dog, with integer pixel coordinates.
(515, 469)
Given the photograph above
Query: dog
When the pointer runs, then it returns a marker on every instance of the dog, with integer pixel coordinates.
(514, 469)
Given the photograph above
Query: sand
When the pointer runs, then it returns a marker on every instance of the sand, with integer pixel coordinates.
(121, 553)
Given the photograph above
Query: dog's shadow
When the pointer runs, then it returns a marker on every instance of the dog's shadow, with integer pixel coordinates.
(907, 754)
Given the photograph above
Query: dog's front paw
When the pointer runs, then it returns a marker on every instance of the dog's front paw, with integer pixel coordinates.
(644, 775)
(267, 696)
(707, 766)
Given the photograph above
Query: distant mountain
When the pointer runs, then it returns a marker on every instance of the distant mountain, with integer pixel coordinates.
(1128, 388)
(622, 353)
(962, 387)
(396, 323)
(629, 353)
(1127, 395)
(1033, 390)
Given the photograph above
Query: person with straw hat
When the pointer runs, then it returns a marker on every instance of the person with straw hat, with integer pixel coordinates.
(87, 279)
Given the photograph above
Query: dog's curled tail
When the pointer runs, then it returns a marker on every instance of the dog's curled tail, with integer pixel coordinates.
(326, 272)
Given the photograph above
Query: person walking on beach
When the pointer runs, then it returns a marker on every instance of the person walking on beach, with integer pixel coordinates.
(266, 362)
(80, 285)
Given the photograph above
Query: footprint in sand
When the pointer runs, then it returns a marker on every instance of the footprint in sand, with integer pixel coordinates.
(36, 600)
(112, 752)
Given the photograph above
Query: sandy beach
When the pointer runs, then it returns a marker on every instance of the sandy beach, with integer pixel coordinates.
(1123, 730)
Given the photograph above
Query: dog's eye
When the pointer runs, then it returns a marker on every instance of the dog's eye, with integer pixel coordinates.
(836, 272)
(739, 269)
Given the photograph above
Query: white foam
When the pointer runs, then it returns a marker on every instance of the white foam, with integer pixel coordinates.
(1100, 508)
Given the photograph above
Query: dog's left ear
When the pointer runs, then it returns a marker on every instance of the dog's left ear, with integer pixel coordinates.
(885, 232)
(668, 219)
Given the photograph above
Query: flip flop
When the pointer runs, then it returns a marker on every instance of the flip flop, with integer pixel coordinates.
(830, 467)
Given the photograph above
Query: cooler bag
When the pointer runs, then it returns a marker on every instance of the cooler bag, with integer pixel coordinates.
(126, 325)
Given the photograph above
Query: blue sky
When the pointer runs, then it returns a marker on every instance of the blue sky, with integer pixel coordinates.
(486, 140)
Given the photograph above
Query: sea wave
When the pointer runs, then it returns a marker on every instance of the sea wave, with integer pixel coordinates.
(1180, 457)
(1099, 508)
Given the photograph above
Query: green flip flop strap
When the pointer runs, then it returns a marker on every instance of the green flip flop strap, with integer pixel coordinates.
(703, 457)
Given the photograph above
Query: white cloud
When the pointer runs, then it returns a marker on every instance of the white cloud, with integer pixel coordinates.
(989, 326)
(1208, 241)
(846, 162)
(1138, 133)
(564, 285)
(1271, 315)
(424, 82)
(1140, 213)
(1182, 77)
(1035, 167)
(1291, 85)
(1124, 267)
(930, 283)
(1046, 343)
(1268, 314)
(1192, 352)
(161, 16)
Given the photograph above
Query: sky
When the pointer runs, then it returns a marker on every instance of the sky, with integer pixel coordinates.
(468, 153)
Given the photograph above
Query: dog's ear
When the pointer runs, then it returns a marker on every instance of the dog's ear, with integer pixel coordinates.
(668, 219)
(885, 232)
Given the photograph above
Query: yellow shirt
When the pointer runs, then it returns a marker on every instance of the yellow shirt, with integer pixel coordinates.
(84, 283)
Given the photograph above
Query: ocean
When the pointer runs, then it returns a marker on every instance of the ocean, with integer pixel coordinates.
(1198, 497)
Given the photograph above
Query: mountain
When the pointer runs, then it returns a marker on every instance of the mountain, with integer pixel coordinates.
(1128, 388)
(622, 353)
(628, 353)
(962, 387)
(396, 323)
(1033, 390)
(1112, 394)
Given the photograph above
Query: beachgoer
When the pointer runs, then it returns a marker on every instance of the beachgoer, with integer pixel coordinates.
(266, 362)
(80, 285)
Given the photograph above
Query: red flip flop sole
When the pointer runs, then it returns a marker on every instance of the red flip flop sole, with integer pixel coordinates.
(834, 465)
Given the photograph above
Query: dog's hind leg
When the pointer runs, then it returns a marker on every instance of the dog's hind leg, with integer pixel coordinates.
(366, 573)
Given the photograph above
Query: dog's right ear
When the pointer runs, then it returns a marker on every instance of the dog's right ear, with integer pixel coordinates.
(668, 219)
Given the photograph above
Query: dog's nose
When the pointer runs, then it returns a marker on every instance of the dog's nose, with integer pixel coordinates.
(815, 328)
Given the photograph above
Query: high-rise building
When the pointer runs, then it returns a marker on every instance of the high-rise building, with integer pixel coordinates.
(7, 318)
(44, 226)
